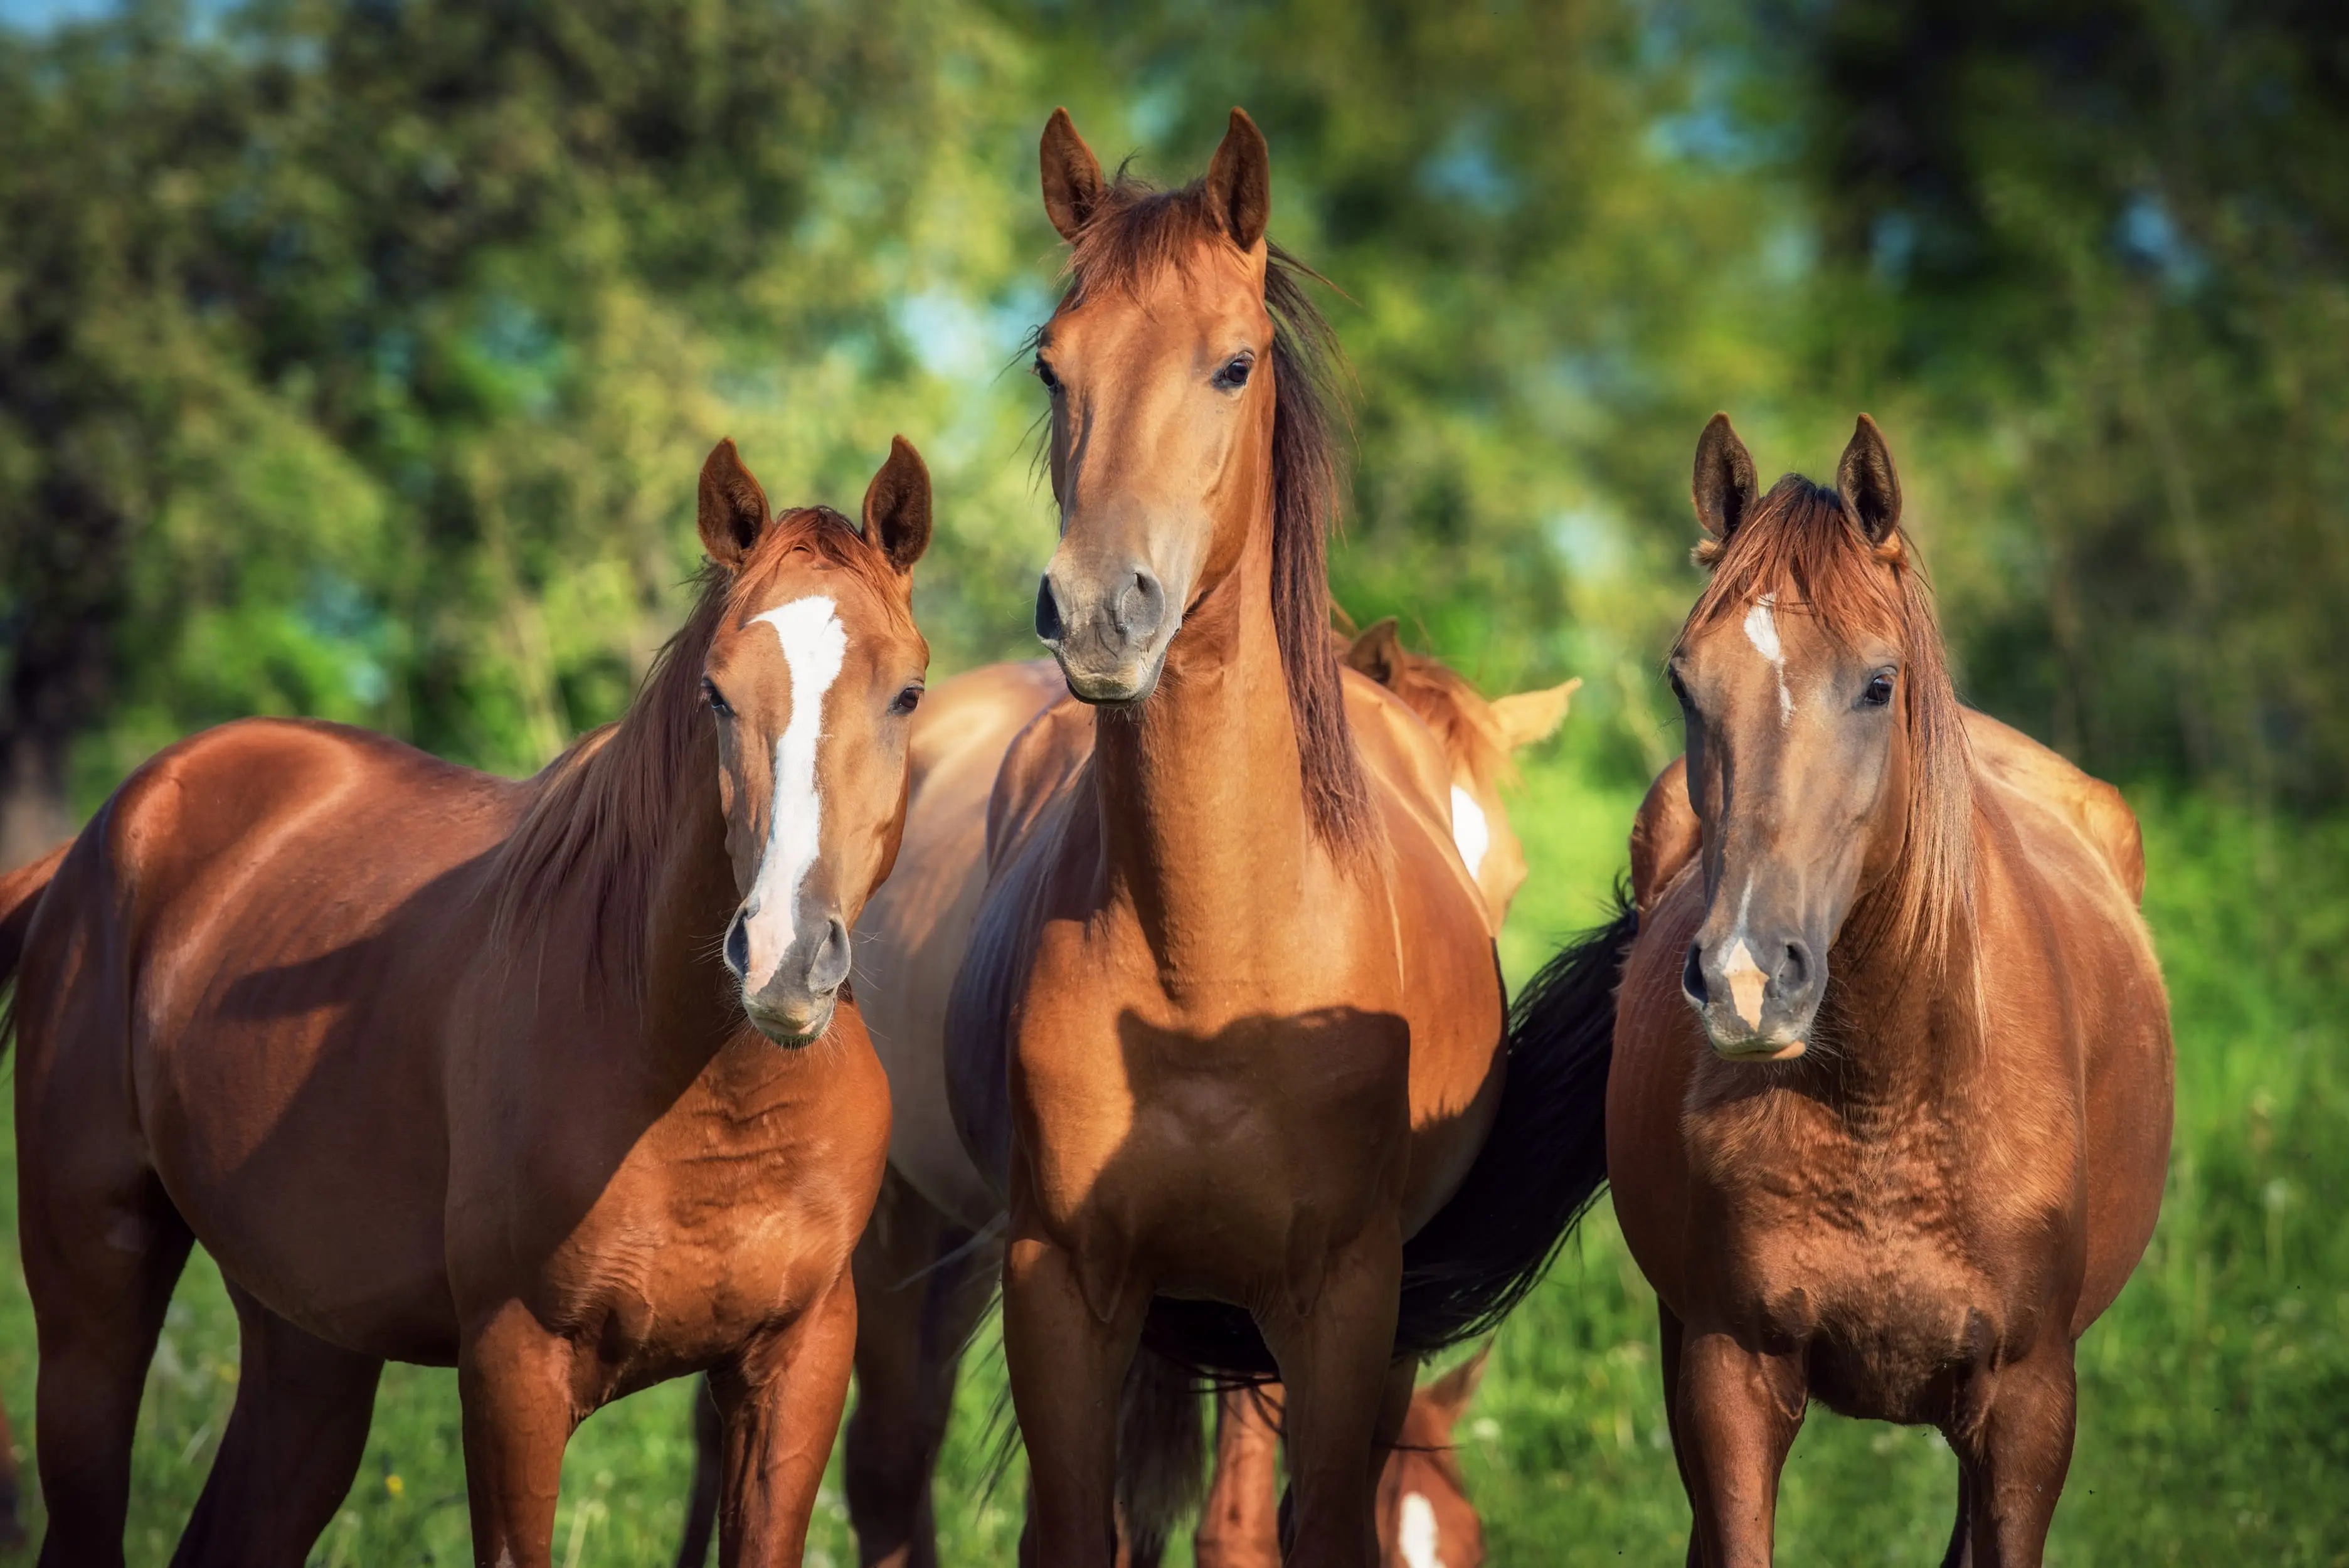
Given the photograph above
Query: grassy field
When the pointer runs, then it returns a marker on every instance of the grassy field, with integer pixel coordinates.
(2214, 1398)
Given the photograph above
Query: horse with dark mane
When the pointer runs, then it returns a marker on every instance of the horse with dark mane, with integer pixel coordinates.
(554, 1080)
(1227, 1043)
(1890, 1108)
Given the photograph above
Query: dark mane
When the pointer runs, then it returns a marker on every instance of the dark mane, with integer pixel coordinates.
(607, 806)
(1134, 231)
(1802, 544)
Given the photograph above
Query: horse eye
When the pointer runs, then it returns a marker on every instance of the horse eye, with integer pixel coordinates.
(1235, 372)
(1879, 690)
(715, 698)
(1044, 374)
(1680, 692)
(907, 700)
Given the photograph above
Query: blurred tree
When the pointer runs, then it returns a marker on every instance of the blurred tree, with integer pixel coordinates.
(356, 356)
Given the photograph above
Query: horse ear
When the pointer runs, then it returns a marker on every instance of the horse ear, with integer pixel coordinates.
(1725, 487)
(1447, 1397)
(1072, 175)
(1239, 182)
(897, 506)
(1377, 652)
(732, 508)
(1526, 716)
(1870, 486)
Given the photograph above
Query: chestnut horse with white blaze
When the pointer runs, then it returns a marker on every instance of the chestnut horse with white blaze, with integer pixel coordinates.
(1227, 1043)
(1890, 1108)
(555, 1080)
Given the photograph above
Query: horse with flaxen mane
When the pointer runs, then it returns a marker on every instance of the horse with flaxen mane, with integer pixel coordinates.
(555, 1080)
(1227, 1042)
(1890, 1107)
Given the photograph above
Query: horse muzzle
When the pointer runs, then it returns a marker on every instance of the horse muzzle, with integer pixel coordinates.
(794, 1005)
(1756, 996)
(1110, 633)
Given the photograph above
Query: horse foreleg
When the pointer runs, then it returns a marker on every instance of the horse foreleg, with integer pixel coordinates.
(1239, 1527)
(1668, 1356)
(921, 1289)
(1738, 1413)
(1347, 1397)
(515, 1379)
(2016, 1448)
(1068, 1365)
(779, 1401)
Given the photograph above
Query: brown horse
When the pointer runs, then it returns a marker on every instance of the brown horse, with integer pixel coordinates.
(924, 1278)
(443, 1067)
(1890, 1108)
(1230, 1033)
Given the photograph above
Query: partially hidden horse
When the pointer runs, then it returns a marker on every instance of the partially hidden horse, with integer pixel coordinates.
(1890, 1107)
(1424, 1517)
(1227, 1042)
(925, 1269)
(555, 1080)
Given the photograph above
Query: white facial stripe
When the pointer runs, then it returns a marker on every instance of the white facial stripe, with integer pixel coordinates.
(1469, 830)
(1416, 1535)
(814, 643)
(1762, 631)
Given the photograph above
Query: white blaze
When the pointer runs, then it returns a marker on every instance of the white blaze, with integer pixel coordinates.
(1469, 830)
(813, 645)
(1415, 1537)
(1747, 983)
(1762, 631)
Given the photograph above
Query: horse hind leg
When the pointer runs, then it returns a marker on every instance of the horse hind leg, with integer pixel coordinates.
(103, 1249)
(293, 1444)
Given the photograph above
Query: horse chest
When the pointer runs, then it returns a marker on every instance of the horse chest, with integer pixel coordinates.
(1883, 1259)
(734, 1211)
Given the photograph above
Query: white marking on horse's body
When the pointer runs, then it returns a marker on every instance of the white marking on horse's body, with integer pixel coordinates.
(1762, 631)
(814, 643)
(1415, 1535)
(1470, 831)
(1747, 983)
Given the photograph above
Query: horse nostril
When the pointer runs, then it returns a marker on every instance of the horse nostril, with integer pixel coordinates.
(1794, 971)
(832, 959)
(738, 945)
(1049, 625)
(1140, 606)
(1693, 976)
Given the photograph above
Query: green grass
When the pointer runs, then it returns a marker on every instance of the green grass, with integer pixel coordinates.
(2214, 1398)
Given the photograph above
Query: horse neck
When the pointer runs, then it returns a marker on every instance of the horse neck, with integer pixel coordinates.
(1904, 1034)
(1202, 793)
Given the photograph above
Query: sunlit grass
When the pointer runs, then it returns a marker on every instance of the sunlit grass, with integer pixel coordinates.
(2214, 1401)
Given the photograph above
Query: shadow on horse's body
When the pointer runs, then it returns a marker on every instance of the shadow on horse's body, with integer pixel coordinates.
(1890, 1108)
(448, 1069)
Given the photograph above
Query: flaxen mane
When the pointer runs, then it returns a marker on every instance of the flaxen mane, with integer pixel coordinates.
(605, 805)
(1133, 231)
(1802, 545)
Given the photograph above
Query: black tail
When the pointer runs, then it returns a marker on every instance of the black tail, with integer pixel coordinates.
(1541, 1165)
